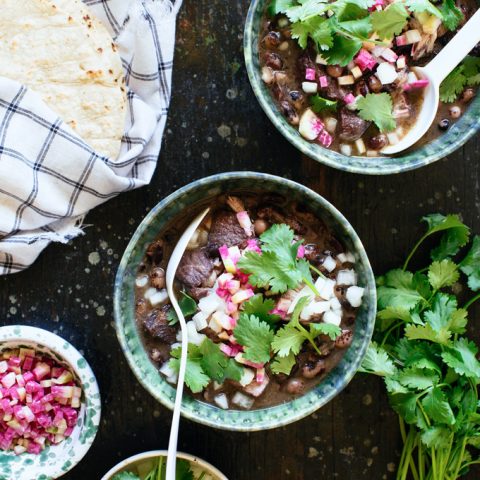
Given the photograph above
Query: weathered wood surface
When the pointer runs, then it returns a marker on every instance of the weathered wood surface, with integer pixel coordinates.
(216, 125)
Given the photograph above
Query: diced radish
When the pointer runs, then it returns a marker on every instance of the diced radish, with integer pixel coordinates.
(386, 53)
(221, 400)
(356, 72)
(412, 36)
(310, 125)
(332, 318)
(301, 251)
(323, 81)
(325, 139)
(401, 40)
(257, 388)
(350, 98)
(260, 376)
(354, 295)
(239, 358)
(210, 303)
(365, 60)
(401, 62)
(386, 73)
(3, 366)
(416, 84)
(320, 60)
(252, 244)
(310, 74)
(243, 401)
(226, 349)
(247, 377)
(310, 87)
(8, 380)
(242, 295)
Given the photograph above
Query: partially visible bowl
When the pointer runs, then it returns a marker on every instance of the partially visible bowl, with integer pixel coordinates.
(448, 142)
(124, 303)
(55, 460)
(198, 465)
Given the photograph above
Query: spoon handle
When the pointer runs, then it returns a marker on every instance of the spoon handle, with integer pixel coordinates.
(455, 50)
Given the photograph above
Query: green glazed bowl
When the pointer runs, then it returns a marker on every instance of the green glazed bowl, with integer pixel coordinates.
(55, 460)
(124, 303)
(439, 148)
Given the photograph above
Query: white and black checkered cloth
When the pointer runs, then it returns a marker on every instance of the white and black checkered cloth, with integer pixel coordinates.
(49, 177)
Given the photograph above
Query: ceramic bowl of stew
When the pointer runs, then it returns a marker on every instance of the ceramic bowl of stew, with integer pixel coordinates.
(437, 143)
(164, 223)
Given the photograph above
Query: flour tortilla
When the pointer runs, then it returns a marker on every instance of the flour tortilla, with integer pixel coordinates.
(61, 51)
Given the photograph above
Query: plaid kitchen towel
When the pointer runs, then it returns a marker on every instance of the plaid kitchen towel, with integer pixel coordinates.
(49, 177)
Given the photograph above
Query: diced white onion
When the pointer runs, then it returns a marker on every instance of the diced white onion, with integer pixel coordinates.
(392, 138)
(171, 375)
(360, 145)
(243, 401)
(386, 73)
(247, 377)
(256, 389)
(346, 149)
(354, 295)
(210, 303)
(304, 292)
(141, 281)
(158, 297)
(346, 277)
(314, 308)
(401, 62)
(221, 400)
(356, 72)
(150, 291)
(309, 87)
(331, 124)
(372, 153)
(335, 304)
(217, 386)
(329, 264)
(412, 36)
(320, 60)
(193, 336)
(200, 320)
(282, 22)
(346, 80)
(309, 127)
(267, 75)
(350, 257)
(342, 257)
(222, 319)
(327, 290)
(332, 318)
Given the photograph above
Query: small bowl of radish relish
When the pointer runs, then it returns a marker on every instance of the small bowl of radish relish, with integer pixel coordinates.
(153, 464)
(49, 404)
(278, 295)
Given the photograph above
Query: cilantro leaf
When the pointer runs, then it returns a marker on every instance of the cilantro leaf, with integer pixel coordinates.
(216, 364)
(395, 313)
(405, 404)
(377, 107)
(472, 69)
(437, 407)
(317, 28)
(377, 361)
(426, 332)
(442, 308)
(398, 290)
(358, 27)
(423, 6)
(195, 377)
(283, 364)
(333, 331)
(390, 22)
(417, 378)
(320, 104)
(453, 85)
(342, 51)
(261, 308)
(188, 307)
(280, 6)
(451, 242)
(306, 9)
(256, 336)
(288, 340)
(462, 358)
(443, 274)
(451, 15)
(436, 437)
(470, 265)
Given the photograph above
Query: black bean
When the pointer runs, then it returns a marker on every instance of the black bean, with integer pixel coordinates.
(345, 339)
(272, 39)
(377, 142)
(468, 94)
(273, 60)
(444, 124)
(361, 88)
(290, 113)
(295, 386)
(157, 278)
(311, 370)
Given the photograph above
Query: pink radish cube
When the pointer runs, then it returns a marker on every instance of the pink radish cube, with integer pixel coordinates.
(310, 74)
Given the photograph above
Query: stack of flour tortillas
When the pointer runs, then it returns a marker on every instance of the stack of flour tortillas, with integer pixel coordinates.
(58, 49)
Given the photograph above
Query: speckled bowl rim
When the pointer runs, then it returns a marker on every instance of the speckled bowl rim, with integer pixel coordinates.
(210, 469)
(271, 417)
(441, 147)
(17, 334)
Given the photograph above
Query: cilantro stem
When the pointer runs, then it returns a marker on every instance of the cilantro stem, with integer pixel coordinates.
(415, 248)
(471, 301)
(307, 335)
(317, 271)
(312, 286)
(390, 330)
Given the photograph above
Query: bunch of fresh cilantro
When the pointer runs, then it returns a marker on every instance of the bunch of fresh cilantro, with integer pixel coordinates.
(430, 368)
(183, 472)
(276, 269)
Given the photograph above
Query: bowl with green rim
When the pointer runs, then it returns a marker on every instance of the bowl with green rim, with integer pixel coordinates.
(442, 146)
(129, 337)
(55, 460)
(146, 462)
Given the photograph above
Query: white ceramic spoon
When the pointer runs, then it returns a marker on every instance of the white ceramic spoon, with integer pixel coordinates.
(172, 266)
(435, 72)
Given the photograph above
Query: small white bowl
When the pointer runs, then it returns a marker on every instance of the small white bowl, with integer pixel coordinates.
(55, 460)
(195, 462)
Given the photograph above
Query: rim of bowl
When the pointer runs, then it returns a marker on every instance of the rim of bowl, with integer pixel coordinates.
(440, 147)
(210, 469)
(77, 362)
(270, 417)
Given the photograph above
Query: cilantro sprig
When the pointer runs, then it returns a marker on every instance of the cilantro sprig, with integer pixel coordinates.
(183, 471)
(467, 74)
(430, 369)
(378, 108)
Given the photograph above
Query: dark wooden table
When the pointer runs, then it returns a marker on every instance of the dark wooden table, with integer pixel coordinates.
(216, 125)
